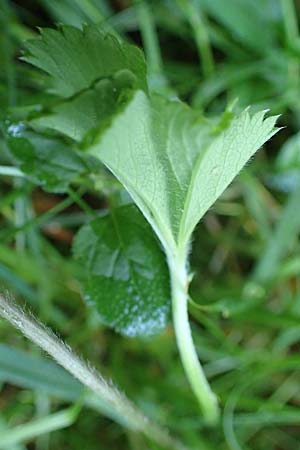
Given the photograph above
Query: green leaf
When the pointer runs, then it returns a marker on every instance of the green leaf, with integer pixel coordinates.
(127, 276)
(174, 163)
(91, 70)
(75, 58)
(76, 116)
(49, 162)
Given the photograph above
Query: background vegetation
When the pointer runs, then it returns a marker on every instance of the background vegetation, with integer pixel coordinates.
(246, 288)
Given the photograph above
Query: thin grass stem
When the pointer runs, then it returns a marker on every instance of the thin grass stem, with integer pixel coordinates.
(84, 372)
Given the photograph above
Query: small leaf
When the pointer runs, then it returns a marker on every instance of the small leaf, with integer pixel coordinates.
(91, 70)
(127, 276)
(76, 58)
(49, 162)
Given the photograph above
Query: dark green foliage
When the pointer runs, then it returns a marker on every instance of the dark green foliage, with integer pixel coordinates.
(127, 276)
(91, 70)
(75, 58)
(49, 162)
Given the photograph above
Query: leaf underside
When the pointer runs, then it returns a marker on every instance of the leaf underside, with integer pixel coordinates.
(173, 163)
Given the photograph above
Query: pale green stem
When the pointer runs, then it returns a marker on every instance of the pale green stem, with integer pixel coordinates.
(193, 369)
(88, 376)
(11, 171)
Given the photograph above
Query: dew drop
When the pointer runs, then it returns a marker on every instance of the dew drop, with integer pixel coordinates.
(15, 129)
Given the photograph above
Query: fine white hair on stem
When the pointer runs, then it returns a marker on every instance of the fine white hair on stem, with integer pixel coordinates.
(84, 372)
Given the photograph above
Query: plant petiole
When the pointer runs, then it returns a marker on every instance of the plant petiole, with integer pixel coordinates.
(192, 366)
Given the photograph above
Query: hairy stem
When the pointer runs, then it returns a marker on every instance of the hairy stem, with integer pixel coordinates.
(87, 375)
(190, 361)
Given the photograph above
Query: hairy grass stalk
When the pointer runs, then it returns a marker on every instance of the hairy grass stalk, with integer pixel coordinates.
(84, 372)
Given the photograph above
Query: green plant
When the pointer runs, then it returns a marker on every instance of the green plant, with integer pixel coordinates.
(173, 162)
